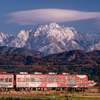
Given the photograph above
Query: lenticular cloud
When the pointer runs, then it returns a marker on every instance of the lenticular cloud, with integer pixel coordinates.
(38, 16)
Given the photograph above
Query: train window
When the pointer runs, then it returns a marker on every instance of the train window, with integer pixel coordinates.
(1, 79)
(10, 79)
(21, 80)
(32, 79)
(27, 80)
(6, 79)
(46, 79)
(79, 80)
(73, 80)
(41, 79)
(54, 79)
(61, 80)
(38, 79)
(68, 80)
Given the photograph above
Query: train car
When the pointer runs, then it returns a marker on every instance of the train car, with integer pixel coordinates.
(6, 81)
(53, 81)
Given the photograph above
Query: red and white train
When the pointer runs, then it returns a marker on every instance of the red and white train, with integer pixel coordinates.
(38, 81)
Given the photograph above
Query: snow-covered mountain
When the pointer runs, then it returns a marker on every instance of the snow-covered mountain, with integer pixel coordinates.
(52, 38)
(5, 39)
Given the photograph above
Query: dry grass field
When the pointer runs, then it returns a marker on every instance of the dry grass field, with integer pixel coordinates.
(90, 93)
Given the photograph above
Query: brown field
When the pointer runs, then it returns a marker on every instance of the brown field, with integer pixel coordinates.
(91, 92)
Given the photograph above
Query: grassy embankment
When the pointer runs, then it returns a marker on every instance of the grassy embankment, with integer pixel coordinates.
(90, 94)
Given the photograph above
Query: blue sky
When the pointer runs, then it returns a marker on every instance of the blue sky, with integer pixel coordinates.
(16, 15)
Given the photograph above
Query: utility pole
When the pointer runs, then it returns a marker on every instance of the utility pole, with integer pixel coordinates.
(99, 74)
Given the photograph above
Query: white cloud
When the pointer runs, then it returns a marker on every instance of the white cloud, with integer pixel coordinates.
(38, 16)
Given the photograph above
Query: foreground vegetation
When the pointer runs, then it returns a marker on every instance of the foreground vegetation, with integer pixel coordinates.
(45, 98)
(90, 94)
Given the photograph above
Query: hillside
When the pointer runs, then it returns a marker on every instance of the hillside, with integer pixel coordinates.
(22, 51)
(75, 57)
(75, 61)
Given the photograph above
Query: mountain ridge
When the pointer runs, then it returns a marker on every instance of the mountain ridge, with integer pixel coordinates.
(22, 51)
(52, 38)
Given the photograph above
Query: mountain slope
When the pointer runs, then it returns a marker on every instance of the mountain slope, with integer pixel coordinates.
(5, 39)
(22, 51)
(14, 59)
(74, 57)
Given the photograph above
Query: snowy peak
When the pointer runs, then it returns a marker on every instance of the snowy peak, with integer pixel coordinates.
(21, 39)
(24, 34)
(53, 38)
(53, 25)
(5, 39)
(54, 30)
(2, 35)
